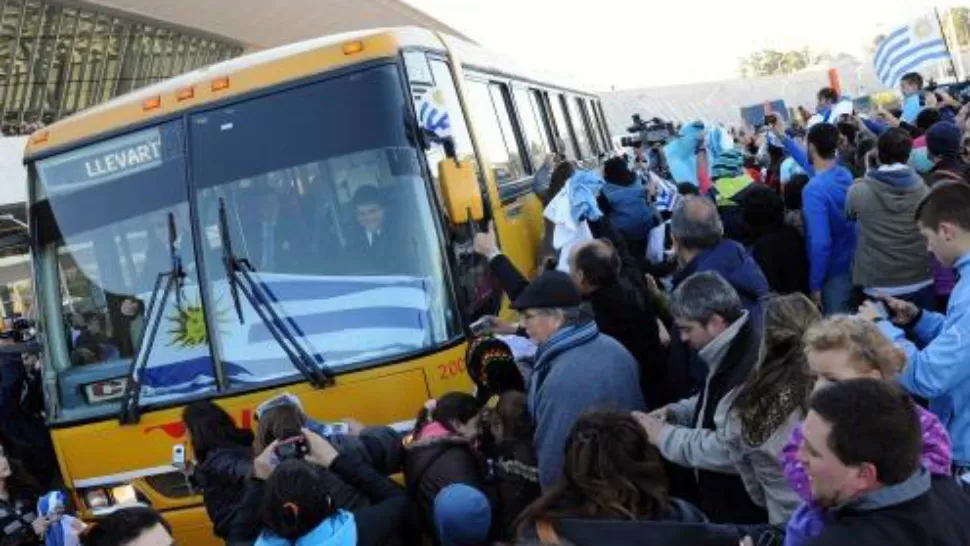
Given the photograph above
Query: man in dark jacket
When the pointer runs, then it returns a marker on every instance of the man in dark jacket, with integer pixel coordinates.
(376, 244)
(697, 233)
(22, 407)
(630, 212)
(944, 142)
(620, 311)
(862, 450)
(712, 321)
(577, 368)
(778, 248)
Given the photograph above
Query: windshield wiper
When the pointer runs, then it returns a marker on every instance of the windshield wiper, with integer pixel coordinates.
(239, 276)
(167, 282)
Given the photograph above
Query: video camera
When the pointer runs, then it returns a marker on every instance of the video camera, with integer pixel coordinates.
(648, 133)
(959, 91)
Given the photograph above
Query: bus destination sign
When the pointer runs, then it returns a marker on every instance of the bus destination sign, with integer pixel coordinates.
(103, 162)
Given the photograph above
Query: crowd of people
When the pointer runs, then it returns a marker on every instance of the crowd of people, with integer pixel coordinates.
(775, 356)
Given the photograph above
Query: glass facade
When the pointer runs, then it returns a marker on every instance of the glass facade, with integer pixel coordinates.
(57, 59)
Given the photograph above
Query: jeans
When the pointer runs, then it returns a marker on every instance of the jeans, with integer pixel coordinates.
(838, 295)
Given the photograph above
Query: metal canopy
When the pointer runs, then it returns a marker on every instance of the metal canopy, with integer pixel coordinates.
(259, 24)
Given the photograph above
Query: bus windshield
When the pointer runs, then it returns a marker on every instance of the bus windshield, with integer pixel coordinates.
(324, 198)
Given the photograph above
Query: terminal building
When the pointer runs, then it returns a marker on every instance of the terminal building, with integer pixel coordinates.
(58, 57)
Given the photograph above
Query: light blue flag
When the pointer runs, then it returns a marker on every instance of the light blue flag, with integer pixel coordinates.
(682, 153)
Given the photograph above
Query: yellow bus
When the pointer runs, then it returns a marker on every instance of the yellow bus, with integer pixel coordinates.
(298, 219)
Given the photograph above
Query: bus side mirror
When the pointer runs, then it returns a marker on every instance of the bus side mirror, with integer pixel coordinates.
(460, 191)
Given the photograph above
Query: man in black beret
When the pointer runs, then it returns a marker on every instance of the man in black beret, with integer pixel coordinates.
(577, 369)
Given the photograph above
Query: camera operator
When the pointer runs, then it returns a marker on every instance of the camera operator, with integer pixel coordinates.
(22, 402)
(648, 142)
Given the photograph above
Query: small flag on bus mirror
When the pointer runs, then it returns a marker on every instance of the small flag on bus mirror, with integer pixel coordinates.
(433, 114)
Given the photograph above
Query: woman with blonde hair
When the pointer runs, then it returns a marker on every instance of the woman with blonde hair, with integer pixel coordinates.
(837, 349)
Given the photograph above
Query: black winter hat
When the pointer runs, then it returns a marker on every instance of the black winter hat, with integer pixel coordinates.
(550, 290)
(944, 140)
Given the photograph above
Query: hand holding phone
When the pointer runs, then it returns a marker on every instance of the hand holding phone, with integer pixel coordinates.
(880, 308)
(296, 447)
(321, 451)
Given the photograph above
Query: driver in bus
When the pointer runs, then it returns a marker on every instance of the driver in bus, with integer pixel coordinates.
(373, 246)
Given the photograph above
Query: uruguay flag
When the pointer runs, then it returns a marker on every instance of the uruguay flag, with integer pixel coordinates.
(433, 113)
(342, 320)
(908, 48)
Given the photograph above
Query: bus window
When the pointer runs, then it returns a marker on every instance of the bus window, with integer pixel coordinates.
(444, 87)
(459, 129)
(105, 214)
(326, 199)
(540, 106)
(500, 99)
(589, 112)
(589, 125)
(501, 154)
(476, 294)
(601, 123)
(565, 133)
(535, 136)
(579, 128)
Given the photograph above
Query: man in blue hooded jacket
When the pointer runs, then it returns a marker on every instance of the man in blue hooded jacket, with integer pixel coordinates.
(830, 235)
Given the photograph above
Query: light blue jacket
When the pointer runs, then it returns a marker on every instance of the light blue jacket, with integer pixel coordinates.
(941, 371)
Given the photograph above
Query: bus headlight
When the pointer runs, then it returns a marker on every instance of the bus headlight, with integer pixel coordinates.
(102, 498)
(97, 498)
(124, 494)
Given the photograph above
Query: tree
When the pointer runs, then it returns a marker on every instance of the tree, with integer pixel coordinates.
(961, 23)
(770, 62)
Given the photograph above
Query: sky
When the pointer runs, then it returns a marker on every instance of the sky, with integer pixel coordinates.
(630, 44)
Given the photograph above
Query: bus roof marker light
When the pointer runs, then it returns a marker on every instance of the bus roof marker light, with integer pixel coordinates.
(185, 93)
(220, 84)
(152, 103)
(41, 137)
(353, 48)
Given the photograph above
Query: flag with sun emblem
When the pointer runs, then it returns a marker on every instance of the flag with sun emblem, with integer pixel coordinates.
(343, 320)
(433, 113)
(909, 48)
